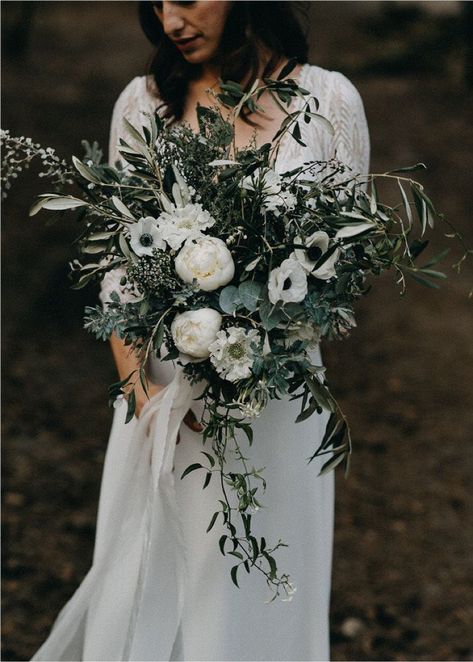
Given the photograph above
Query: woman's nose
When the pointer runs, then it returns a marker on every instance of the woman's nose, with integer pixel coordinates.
(173, 21)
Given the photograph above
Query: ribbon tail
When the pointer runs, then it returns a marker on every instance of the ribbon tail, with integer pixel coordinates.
(162, 578)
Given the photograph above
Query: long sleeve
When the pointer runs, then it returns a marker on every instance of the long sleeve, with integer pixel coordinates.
(351, 140)
(127, 105)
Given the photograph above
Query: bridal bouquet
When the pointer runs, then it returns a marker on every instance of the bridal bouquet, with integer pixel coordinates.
(236, 272)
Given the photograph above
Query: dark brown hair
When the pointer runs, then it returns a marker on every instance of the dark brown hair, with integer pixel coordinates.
(249, 23)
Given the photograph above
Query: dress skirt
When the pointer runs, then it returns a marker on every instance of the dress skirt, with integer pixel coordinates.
(159, 587)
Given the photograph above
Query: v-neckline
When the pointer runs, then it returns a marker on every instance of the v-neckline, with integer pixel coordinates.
(296, 104)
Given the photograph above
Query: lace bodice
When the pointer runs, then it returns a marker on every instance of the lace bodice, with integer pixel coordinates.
(339, 102)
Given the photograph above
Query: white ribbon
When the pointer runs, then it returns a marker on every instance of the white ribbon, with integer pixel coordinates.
(129, 605)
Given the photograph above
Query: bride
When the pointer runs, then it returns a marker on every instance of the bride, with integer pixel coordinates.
(158, 588)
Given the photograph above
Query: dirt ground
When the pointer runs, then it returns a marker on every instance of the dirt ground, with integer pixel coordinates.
(402, 569)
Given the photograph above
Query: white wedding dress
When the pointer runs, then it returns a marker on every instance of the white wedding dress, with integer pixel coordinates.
(159, 588)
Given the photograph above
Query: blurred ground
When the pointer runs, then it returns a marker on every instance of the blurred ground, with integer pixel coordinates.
(402, 573)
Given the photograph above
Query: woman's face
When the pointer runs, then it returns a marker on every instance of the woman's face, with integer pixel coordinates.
(195, 27)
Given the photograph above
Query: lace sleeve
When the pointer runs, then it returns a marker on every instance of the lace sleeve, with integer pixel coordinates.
(125, 106)
(351, 140)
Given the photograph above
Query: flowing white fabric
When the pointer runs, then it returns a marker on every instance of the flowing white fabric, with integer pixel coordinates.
(159, 588)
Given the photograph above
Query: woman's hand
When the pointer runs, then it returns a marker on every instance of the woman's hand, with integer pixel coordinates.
(141, 399)
(128, 362)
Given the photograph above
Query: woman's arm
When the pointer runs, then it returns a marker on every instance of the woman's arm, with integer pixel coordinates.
(127, 361)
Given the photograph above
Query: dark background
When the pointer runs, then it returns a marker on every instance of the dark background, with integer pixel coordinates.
(402, 571)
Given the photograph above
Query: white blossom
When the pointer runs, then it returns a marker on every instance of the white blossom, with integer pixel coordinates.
(183, 223)
(195, 330)
(145, 235)
(231, 353)
(287, 283)
(315, 246)
(272, 186)
(206, 260)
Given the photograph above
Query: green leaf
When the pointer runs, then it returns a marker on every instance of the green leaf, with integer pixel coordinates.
(417, 247)
(159, 337)
(221, 543)
(213, 520)
(131, 406)
(288, 67)
(436, 259)
(191, 467)
(210, 458)
(323, 121)
(233, 573)
(85, 171)
(250, 294)
(238, 555)
(57, 203)
(248, 430)
(417, 166)
(332, 463)
(406, 202)
(122, 208)
(208, 476)
(229, 299)
(270, 315)
(424, 281)
(134, 132)
(272, 564)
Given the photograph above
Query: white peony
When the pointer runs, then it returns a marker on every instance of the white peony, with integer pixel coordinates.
(182, 223)
(231, 353)
(287, 283)
(145, 235)
(316, 245)
(206, 260)
(195, 330)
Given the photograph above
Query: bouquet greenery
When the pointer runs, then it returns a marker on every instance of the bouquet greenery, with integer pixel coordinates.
(236, 272)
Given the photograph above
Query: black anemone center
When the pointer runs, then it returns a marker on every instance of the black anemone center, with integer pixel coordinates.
(314, 253)
(146, 239)
(287, 284)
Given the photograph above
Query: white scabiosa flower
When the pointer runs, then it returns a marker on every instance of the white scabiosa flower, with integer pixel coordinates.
(287, 283)
(231, 353)
(195, 330)
(182, 223)
(206, 260)
(145, 235)
(315, 246)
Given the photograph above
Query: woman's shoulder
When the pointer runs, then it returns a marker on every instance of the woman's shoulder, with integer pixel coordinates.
(138, 95)
(332, 88)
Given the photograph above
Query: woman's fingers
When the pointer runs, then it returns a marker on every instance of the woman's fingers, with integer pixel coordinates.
(191, 422)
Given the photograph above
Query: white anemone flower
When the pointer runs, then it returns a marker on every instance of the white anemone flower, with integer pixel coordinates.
(182, 223)
(145, 235)
(315, 246)
(231, 353)
(287, 283)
